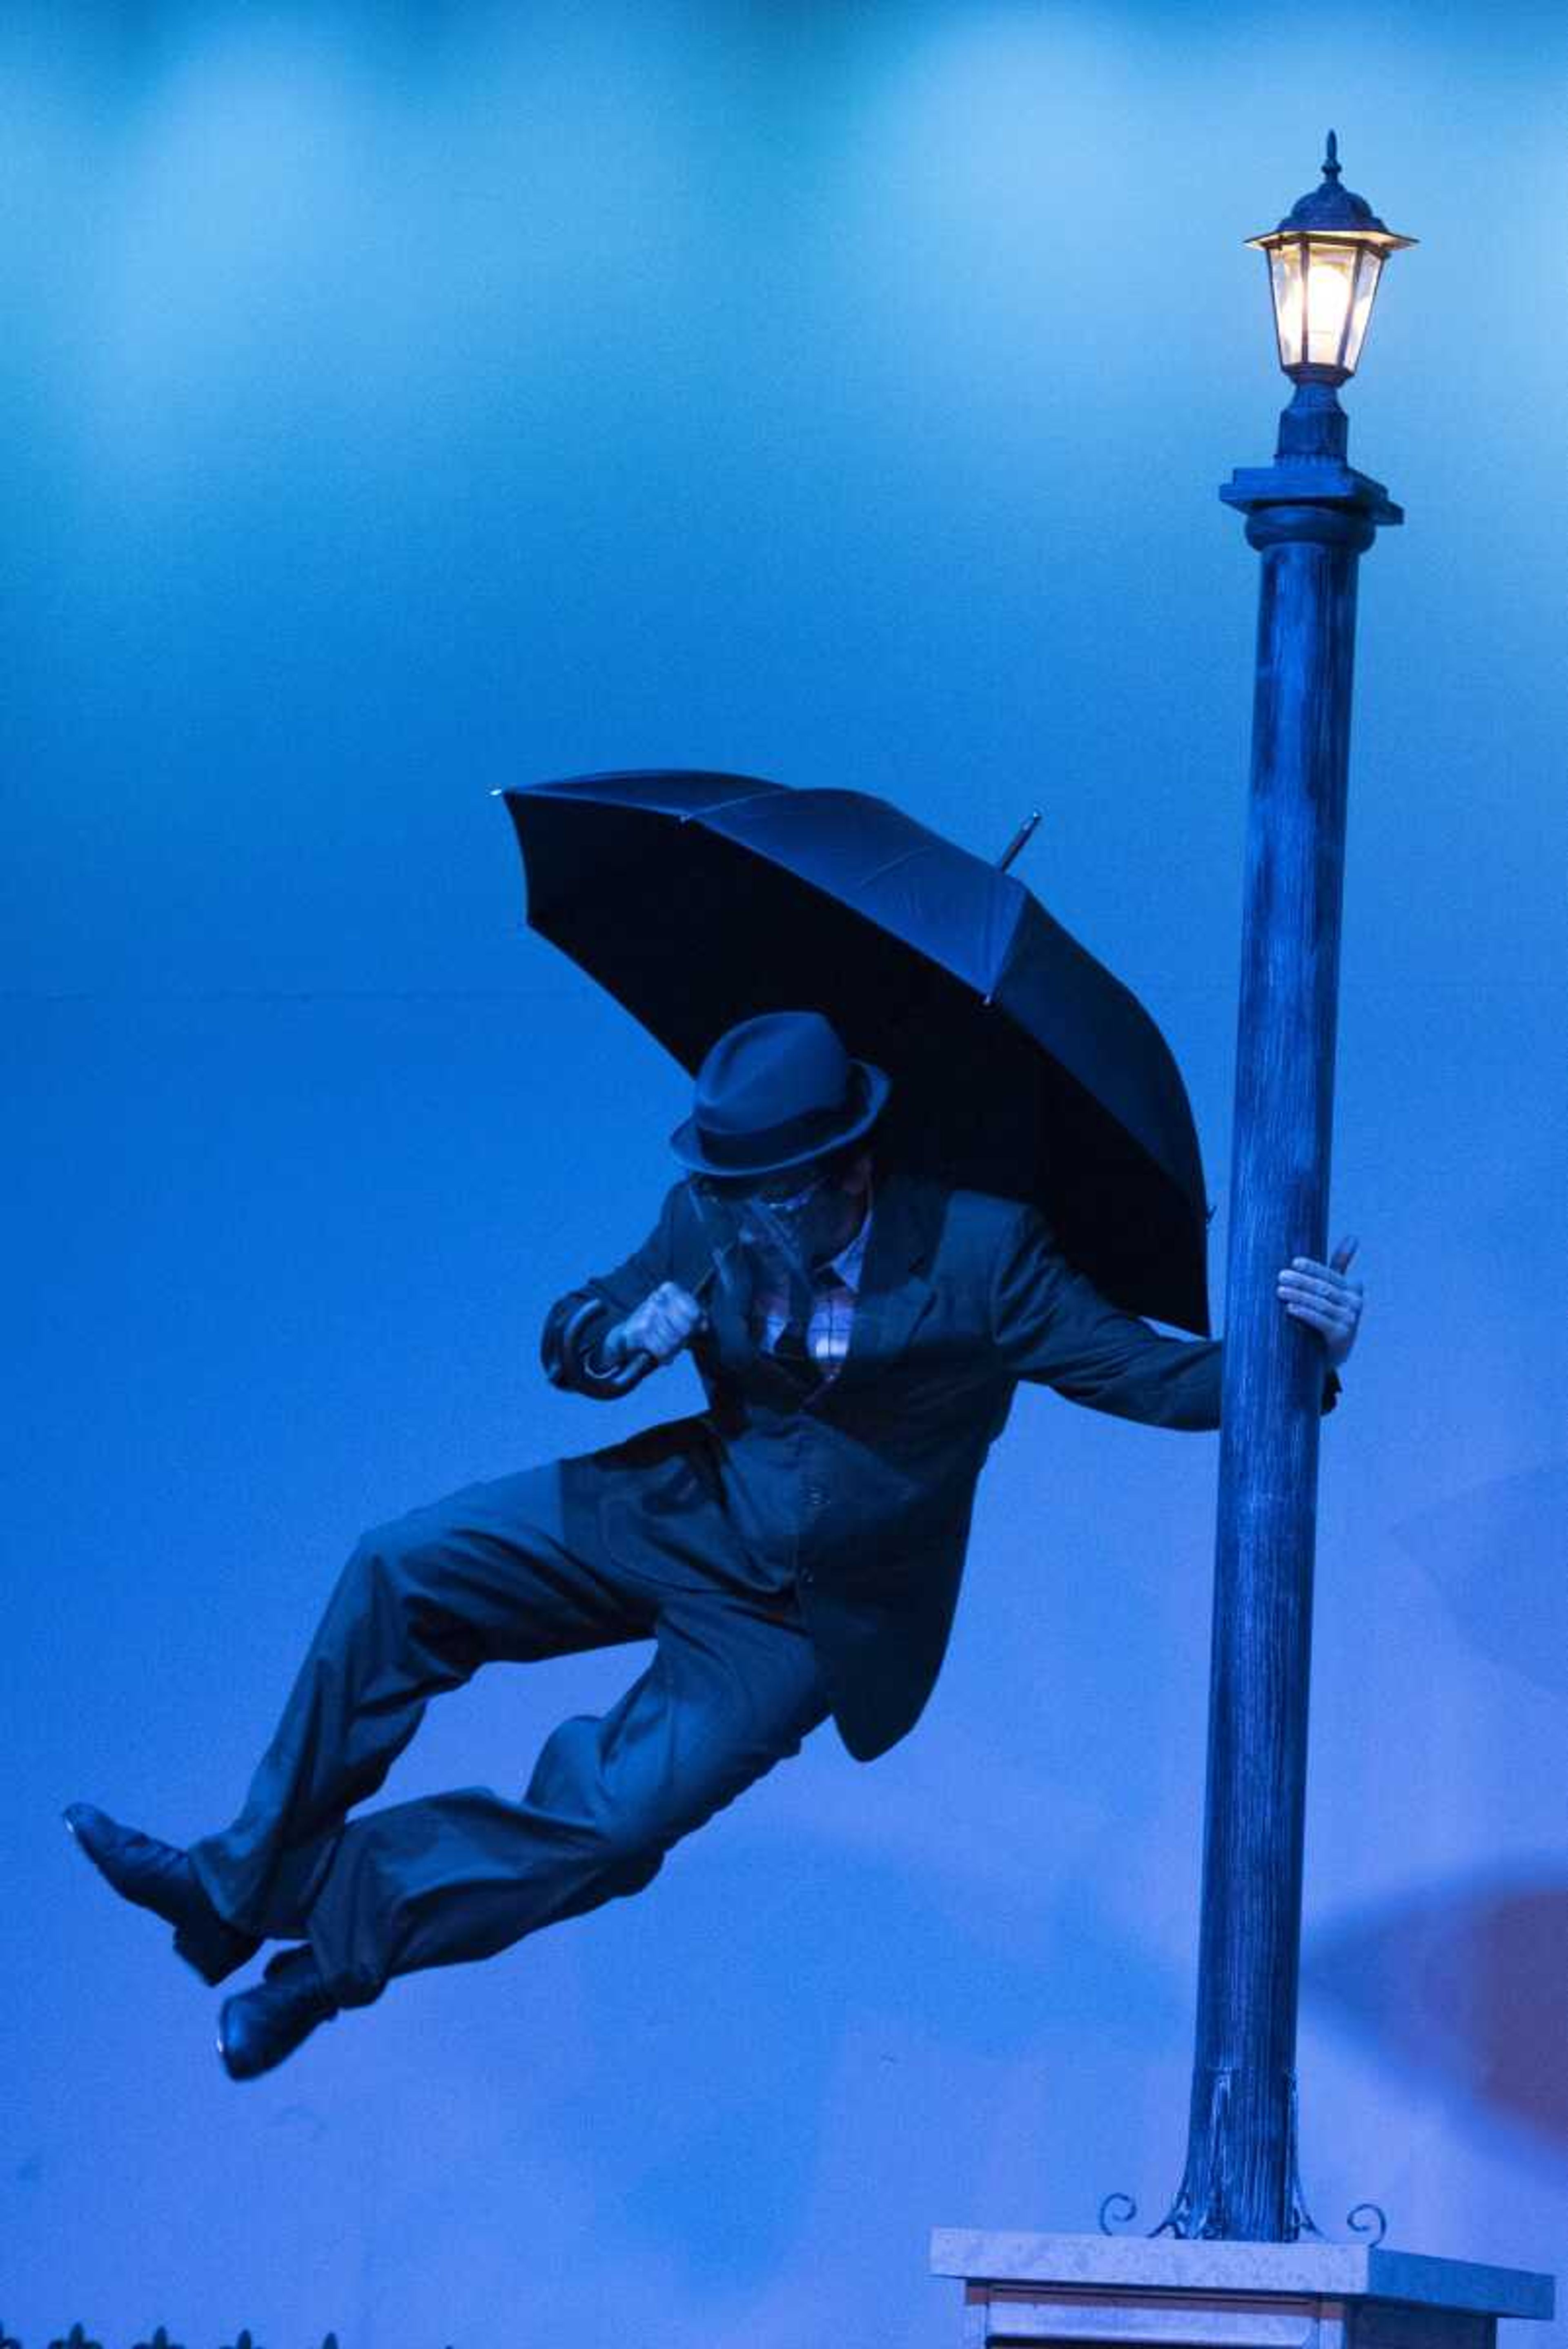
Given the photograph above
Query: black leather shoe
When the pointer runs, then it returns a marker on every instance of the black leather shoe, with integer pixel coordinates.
(159, 1877)
(258, 2027)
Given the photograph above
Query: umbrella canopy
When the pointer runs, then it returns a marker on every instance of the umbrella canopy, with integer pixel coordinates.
(1021, 1065)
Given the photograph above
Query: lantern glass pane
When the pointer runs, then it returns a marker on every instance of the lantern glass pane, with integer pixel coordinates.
(1285, 281)
(1367, 274)
(1330, 290)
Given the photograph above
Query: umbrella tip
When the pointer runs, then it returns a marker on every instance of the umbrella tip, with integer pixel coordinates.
(1018, 840)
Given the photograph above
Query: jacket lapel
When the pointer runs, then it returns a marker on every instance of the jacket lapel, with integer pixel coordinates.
(729, 1303)
(894, 1292)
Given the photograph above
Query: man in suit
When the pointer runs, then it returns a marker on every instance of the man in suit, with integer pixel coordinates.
(792, 1550)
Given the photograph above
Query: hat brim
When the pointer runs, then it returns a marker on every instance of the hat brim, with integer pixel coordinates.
(687, 1141)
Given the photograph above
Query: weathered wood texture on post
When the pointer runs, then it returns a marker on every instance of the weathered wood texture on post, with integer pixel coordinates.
(1240, 2178)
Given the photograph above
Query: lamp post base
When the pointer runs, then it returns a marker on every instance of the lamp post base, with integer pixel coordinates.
(1157, 2293)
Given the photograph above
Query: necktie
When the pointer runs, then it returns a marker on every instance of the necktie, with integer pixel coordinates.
(790, 1346)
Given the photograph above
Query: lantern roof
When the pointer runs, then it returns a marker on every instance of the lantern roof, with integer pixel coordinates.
(1333, 211)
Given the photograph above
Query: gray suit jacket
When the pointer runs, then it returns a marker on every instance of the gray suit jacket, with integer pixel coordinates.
(859, 1490)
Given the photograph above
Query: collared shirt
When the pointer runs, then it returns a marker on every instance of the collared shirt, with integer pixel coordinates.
(828, 1332)
(833, 1307)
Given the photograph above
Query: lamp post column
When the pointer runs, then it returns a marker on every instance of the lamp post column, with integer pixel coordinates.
(1242, 2174)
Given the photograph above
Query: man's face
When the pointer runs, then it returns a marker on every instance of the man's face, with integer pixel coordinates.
(811, 1213)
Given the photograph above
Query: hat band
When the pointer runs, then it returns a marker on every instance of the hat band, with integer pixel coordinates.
(761, 1145)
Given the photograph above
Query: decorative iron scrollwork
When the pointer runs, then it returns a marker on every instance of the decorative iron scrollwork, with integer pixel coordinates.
(1117, 2211)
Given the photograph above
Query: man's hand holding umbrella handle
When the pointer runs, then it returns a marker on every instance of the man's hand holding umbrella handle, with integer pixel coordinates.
(662, 1324)
(1325, 1298)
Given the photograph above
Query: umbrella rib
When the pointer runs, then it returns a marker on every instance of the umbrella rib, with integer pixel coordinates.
(718, 807)
(905, 856)
(1006, 955)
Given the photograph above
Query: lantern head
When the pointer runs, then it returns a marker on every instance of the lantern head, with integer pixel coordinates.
(1324, 260)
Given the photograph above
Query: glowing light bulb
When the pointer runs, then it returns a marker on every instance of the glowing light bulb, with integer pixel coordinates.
(1328, 298)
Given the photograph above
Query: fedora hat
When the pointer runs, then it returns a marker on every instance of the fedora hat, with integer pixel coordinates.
(774, 1092)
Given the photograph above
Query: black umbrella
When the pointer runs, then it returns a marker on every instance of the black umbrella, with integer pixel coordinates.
(1021, 1065)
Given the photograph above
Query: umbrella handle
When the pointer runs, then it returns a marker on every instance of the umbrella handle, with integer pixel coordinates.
(638, 1365)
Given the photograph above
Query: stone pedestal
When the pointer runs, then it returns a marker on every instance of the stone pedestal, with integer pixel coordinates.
(1143, 2292)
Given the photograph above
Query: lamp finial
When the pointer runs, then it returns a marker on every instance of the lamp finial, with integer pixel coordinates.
(1331, 160)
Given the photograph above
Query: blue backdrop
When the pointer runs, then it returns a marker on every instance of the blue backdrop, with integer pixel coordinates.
(401, 401)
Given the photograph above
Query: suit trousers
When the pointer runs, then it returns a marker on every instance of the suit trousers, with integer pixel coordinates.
(483, 1576)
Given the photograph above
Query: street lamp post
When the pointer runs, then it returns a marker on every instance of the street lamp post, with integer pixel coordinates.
(1227, 2268)
(1311, 517)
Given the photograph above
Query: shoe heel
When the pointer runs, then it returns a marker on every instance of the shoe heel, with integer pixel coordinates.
(214, 1950)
